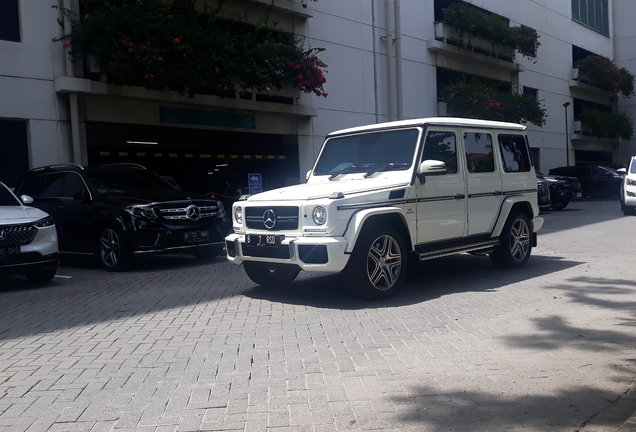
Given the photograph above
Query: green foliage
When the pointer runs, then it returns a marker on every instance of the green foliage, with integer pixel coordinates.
(474, 21)
(608, 124)
(603, 73)
(476, 99)
(163, 45)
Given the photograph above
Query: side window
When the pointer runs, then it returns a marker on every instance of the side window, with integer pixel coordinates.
(441, 146)
(72, 184)
(514, 153)
(53, 185)
(479, 156)
(32, 186)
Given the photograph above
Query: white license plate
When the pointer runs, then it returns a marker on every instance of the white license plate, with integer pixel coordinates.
(579, 194)
(195, 236)
(9, 251)
(263, 240)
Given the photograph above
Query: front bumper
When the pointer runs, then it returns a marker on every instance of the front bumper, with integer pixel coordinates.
(629, 196)
(319, 254)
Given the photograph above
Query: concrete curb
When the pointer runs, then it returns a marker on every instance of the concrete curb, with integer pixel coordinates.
(629, 425)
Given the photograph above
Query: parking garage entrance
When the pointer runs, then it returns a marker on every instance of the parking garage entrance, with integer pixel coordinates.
(198, 160)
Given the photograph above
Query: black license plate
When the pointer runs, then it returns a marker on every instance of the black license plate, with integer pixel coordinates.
(195, 236)
(6, 252)
(266, 240)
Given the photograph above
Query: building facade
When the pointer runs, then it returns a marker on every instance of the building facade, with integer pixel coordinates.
(387, 60)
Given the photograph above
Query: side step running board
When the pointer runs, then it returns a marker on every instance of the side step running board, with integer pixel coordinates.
(455, 249)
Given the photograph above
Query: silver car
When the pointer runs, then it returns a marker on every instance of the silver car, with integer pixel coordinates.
(28, 238)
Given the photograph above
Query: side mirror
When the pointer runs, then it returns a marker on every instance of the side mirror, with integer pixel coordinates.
(622, 170)
(430, 167)
(81, 195)
(26, 199)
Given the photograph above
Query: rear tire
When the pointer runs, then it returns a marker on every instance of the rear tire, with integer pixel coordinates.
(113, 249)
(515, 242)
(379, 262)
(270, 275)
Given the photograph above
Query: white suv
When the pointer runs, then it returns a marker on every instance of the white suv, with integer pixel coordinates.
(628, 188)
(429, 187)
(28, 239)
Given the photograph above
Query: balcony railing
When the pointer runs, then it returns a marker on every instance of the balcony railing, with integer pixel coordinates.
(453, 37)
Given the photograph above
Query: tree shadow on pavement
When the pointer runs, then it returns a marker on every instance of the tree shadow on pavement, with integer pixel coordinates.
(511, 407)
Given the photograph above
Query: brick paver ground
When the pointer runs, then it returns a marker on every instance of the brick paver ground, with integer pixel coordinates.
(180, 345)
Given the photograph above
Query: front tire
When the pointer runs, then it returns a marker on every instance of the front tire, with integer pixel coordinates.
(377, 267)
(113, 249)
(515, 242)
(559, 206)
(270, 275)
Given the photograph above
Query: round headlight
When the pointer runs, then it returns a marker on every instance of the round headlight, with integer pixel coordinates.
(320, 215)
(238, 214)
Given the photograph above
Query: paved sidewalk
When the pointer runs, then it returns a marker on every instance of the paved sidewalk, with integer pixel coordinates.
(181, 345)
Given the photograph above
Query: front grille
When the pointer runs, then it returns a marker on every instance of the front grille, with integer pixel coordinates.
(281, 251)
(17, 235)
(187, 211)
(543, 193)
(280, 218)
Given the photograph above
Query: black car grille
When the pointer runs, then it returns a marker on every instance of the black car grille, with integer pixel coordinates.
(188, 211)
(17, 235)
(543, 193)
(280, 218)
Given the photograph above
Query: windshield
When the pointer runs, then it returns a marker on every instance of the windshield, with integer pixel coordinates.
(611, 170)
(368, 151)
(632, 166)
(7, 198)
(128, 181)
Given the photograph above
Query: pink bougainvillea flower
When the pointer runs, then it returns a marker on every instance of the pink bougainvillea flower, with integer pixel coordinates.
(176, 40)
(66, 45)
(55, 40)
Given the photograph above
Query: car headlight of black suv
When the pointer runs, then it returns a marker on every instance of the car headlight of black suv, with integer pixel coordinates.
(42, 223)
(142, 211)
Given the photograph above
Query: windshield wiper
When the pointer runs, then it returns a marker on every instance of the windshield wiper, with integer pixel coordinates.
(348, 169)
(387, 167)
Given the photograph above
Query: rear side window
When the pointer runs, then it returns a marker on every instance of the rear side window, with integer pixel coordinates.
(514, 153)
(479, 155)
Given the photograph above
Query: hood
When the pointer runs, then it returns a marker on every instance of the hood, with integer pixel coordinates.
(147, 197)
(12, 215)
(309, 191)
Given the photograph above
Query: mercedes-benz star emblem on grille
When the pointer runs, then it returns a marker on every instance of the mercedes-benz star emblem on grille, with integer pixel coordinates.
(269, 219)
(3, 235)
(193, 213)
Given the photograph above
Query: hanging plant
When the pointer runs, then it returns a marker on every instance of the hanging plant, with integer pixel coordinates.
(474, 21)
(605, 124)
(170, 45)
(604, 73)
(476, 99)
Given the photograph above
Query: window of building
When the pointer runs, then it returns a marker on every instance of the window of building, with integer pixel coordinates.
(531, 92)
(14, 150)
(9, 21)
(592, 13)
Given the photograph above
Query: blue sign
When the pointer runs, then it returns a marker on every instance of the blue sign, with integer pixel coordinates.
(255, 180)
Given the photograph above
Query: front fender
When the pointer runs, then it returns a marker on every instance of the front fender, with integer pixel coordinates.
(359, 218)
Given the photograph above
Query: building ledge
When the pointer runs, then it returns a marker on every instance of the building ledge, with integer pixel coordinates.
(299, 8)
(450, 41)
(65, 84)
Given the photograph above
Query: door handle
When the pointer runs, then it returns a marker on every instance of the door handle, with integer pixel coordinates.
(460, 196)
(497, 193)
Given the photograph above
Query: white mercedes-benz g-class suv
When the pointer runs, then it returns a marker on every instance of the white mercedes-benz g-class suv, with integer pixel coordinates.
(430, 187)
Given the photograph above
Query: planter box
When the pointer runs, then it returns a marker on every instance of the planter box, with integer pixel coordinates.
(452, 36)
(581, 129)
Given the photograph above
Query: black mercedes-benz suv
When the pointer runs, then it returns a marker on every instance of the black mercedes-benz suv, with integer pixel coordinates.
(115, 211)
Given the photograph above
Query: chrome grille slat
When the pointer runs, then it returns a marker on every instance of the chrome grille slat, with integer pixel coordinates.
(17, 235)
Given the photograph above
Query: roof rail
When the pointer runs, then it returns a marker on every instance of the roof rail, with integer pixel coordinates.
(125, 164)
(74, 165)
